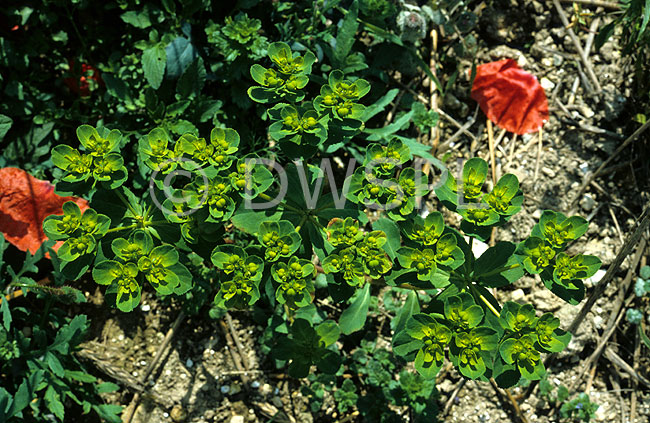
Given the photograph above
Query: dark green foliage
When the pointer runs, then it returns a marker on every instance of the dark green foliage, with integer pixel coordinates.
(41, 374)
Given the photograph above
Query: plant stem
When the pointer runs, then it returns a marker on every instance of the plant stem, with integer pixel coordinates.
(289, 314)
(479, 295)
(126, 203)
(122, 228)
(281, 203)
(302, 222)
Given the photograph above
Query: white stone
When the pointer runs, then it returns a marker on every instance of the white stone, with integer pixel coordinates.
(517, 294)
(225, 389)
(598, 322)
(189, 363)
(146, 307)
(547, 84)
(478, 247)
(595, 278)
(237, 419)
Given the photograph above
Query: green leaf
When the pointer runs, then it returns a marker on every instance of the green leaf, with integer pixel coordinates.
(410, 308)
(25, 393)
(79, 376)
(391, 230)
(644, 337)
(379, 105)
(5, 125)
(345, 36)
(154, 60)
(106, 387)
(329, 332)
(354, 317)
(191, 82)
(180, 53)
(248, 219)
(605, 33)
(6, 314)
(404, 345)
(53, 401)
(106, 271)
(498, 266)
(137, 19)
(69, 335)
(54, 364)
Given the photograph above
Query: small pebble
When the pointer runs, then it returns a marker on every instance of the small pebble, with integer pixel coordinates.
(255, 384)
(189, 363)
(517, 294)
(595, 278)
(225, 389)
(548, 172)
(587, 202)
(146, 307)
(547, 84)
(178, 413)
(598, 322)
(237, 419)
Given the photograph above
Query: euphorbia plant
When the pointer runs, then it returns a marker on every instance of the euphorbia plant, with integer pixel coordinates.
(285, 242)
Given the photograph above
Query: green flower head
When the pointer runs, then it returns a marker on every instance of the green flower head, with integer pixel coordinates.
(479, 216)
(96, 145)
(522, 352)
(138, 245)
(434, 337)
(470, 347)
(474, 175)
(425, 231)
(157, 267)
(548, 334)
(78, 166)
(537, 254)
(122, 281)
(461, 311)
(422, 261)
(279, 238)
(517, 318)
(558, 230)
(343, 232)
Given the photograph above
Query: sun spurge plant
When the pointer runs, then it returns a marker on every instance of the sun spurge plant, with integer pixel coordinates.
(290, 243)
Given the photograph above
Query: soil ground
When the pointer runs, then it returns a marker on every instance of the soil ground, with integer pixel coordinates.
(197, 380)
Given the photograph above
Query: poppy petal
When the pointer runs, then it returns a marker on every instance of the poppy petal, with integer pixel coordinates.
(25, 202)
(510, 97)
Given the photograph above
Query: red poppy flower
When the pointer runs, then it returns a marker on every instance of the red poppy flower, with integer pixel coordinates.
(24, 203)
(81, 85)
(510, 97)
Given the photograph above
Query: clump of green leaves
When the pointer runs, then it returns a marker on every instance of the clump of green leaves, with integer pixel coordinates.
(307, 243)
(335, 113)
(42, 378)
(238, 36)
(578, 409)
(99, 162)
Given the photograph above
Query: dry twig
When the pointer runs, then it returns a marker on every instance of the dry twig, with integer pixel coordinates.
(130, 410)
(611, 157)
(583, 56)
